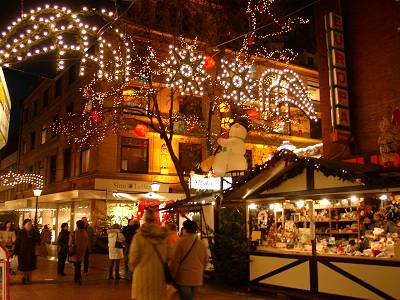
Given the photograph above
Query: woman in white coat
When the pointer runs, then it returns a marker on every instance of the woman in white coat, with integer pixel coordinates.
(116, 245)
(150, 248)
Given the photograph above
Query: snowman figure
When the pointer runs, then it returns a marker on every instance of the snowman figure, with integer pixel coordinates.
(231, 157)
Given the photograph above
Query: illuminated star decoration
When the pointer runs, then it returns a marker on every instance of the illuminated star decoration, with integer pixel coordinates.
(185, 70)
(237, 81)
(58, 30)
(12, 179)
(279, 88)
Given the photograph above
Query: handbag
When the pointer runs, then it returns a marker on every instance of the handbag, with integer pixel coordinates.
(167, 273)
(118, 244)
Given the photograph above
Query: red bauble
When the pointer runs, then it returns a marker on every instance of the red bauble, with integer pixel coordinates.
(141, 130)
(396, 117)
(250, 40)
(95, 116)
(209, 62)
(252, 114)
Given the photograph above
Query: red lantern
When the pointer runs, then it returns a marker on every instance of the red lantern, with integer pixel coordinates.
(209, 62)
(252, 114)
(95, 116)
(396, 117)
(141, 130)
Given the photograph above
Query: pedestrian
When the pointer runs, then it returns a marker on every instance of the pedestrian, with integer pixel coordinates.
(62, 248)
(116, 245)
(78, 243)
(8, 237)
(173, 233)
(25, 248)
(45, 240)
(129, 232)
(90, 232)
(148, 252)
(189, 261)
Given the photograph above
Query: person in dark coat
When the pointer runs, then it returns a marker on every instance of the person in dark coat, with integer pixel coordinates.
(79, 241)
(27, 241)
(129, 232)
(62, 244)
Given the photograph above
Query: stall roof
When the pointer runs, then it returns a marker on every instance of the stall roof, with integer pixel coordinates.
(289, 175)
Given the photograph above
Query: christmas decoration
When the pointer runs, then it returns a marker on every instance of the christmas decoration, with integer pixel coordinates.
(50, 28)
(283, 88)
(231, 157)
(237, 81)
(252, 114)
(185, 70)
(96, 116)
(387, 142)
(209, 62)
(12, 179)
(141, 130)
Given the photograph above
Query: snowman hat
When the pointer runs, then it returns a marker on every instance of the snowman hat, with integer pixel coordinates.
(243, 121)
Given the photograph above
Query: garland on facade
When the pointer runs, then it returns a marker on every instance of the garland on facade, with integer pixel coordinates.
(366, 179)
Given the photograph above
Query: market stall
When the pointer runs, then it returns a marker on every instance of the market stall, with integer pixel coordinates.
(319, 227)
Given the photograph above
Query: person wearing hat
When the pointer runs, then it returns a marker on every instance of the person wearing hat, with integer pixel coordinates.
(149, 252)
(189, 261)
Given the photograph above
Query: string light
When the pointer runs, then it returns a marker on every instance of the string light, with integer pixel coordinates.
(279, 88)
(185, 70)
(12, 179)
(50, 28)
(237, 81)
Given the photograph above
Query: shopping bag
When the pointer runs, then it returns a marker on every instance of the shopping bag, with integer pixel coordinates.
(14, 264)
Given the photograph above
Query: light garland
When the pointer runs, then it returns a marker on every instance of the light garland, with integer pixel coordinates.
(263, 10)
(50, 28)
(279, 88)
(12, 179)
(237, 81)
(185, 70)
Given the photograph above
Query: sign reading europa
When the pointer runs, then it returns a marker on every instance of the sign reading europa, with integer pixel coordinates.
(337, 78)
(209, 183)
(5, 108)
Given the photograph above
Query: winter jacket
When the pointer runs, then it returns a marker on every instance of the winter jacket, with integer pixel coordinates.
(148, 273)
(63, 240)
(190, 271)
(79, 238)
(113, 236)
(25, 247)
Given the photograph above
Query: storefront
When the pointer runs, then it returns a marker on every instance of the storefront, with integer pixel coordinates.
(319, 228)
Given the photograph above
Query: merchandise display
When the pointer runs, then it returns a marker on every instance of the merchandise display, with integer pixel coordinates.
(349, 227)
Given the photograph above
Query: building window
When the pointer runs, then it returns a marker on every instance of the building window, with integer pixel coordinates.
(53, 169)
(26, 115)
(43, 134)
(34, 108)
(59, 87)
(249, 159)
(73, 74)
(46, 97)
(33, 140)
(85, 158)
(159, 12)
(190, 156)
(172, 16)
(190, 106)
(315, 129)
(134, 155)
(67, 163)
(24, 147)
(70, 108)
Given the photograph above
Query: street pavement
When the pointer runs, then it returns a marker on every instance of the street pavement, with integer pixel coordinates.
(46, 285)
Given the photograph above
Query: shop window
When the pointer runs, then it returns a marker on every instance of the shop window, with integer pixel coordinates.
(67, 162)
(85, 158)
(81, 209)
(190, 106)
(190, 156)
(43, 134)
(33, 140)
(53, 169)
(134, 155)
(249, 159)
(46, 97)
(58, 87)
